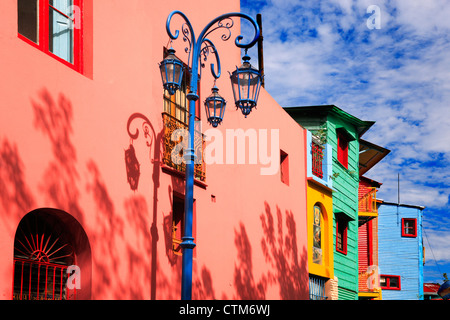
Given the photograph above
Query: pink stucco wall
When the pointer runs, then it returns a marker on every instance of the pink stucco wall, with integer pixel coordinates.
(62, 141)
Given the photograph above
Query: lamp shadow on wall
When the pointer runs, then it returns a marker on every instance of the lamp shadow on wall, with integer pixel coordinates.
(153, 143)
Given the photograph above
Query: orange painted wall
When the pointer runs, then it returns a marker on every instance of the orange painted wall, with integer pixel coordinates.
(62, 141)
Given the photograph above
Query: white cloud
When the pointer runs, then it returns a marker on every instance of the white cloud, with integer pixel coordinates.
(321, 52)
(440, 246)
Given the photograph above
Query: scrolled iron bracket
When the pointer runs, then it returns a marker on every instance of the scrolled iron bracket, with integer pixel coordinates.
(202, 45)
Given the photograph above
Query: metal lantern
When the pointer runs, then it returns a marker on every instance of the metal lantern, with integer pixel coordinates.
(171, 72)
(246, 83)
(215, 107)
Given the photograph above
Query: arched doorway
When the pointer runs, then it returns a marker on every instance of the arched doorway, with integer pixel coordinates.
(47, 244)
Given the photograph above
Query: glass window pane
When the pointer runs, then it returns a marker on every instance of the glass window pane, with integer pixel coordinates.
(28, 19)
(393, 282)
(61, 29)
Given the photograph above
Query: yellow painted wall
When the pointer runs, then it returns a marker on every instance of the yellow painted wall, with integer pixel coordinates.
(317, 194)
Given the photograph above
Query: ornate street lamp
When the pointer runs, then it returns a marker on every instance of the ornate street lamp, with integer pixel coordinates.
(171, 72)
(215, 107)
(246, 82)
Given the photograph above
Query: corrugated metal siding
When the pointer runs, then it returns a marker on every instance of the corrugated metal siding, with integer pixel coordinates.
(399, 255)
(363, 248)
(345, 294)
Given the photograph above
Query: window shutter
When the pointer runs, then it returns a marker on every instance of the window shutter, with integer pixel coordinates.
(342, 150)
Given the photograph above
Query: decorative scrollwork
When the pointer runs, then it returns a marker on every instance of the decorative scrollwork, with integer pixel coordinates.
(206, 50)
(132, 165)
(172, 124)
(147, 129)
(186, 38)
(197, 49)
(225, 23)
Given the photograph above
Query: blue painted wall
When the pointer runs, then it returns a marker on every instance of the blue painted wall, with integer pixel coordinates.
(401, 256)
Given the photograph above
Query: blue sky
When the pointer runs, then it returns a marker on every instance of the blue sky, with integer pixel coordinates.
(322, 52)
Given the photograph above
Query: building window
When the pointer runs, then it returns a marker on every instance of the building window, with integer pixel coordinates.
(317, 235)
(177, 105)
(409, 228)
(317, 288)
(390, 282)
(284, 167)
(176, 116)
(42, 255)
(177, 224)
(342, 150)
(317, 158)
(341, 235)
(54, 27)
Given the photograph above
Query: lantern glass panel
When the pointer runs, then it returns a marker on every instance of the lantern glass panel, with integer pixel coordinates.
(245, 83)
(215, 107)
(171, 69)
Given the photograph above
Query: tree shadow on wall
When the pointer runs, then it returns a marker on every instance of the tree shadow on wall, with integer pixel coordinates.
(118, 259)
(54, 119)
(287, 268)
(202, 286)
(15, 196)
(246, 286)
(137, 214)
(279, 245)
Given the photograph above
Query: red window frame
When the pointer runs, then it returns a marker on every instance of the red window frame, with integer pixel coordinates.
(43, 35)
(388, 282)
(342, 149)
(284, 167)
(405, 228)
(341, 230)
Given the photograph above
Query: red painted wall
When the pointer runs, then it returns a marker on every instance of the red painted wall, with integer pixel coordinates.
(62, 141)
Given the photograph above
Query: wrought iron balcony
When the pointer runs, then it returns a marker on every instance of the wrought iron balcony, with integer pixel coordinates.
(367, 201)
(170, 125)
(368, 285)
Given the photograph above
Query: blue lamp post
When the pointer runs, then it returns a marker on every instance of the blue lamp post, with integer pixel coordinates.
(172, 72)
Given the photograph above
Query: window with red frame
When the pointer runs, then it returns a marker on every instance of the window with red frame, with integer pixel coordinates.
(177, 224)
(284, 167)
(388, 282)
(409, 228)
(54, 27)
(342, 149)
(341, 235)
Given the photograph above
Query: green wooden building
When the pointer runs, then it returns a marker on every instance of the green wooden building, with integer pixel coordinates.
(342, 131)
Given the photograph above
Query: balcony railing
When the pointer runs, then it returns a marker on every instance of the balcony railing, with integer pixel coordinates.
(367, 202)
(317, 159)
(34, 280)
(170, 125)
(367, 282)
